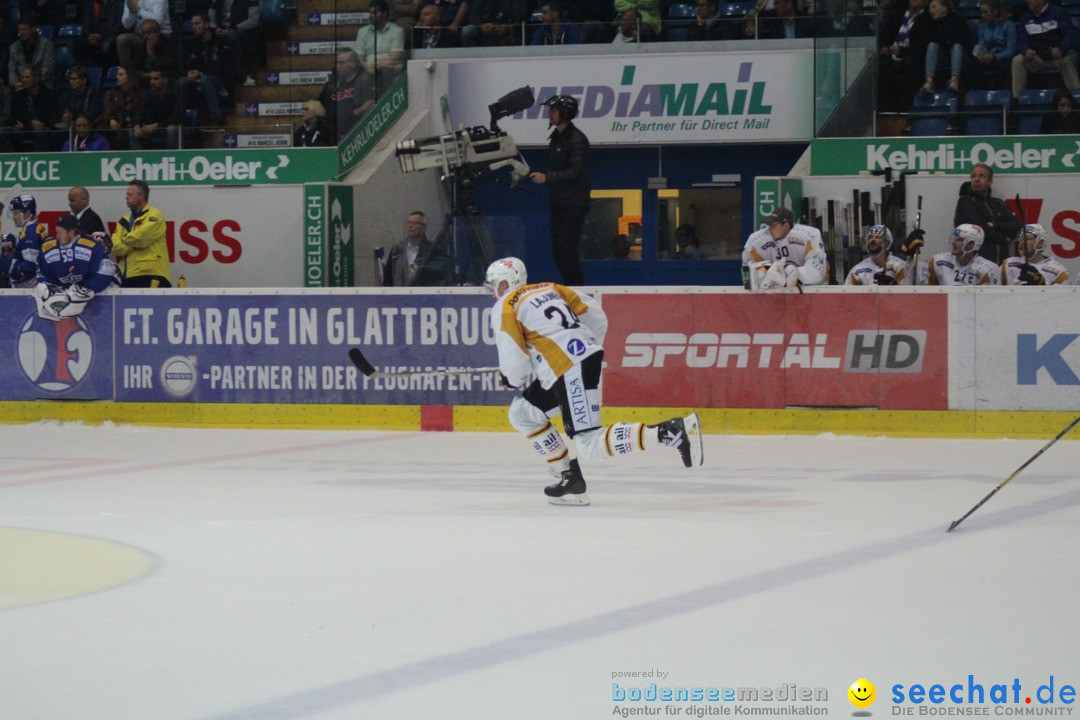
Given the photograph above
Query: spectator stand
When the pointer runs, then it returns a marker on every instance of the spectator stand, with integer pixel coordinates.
(986, 112)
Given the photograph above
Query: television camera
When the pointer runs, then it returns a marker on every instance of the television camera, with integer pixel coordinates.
(463, 157)
(472, 151)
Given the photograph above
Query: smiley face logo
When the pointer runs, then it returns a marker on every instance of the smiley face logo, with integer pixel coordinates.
(862, 693)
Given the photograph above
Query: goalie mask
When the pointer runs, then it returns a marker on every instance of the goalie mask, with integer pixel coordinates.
(880, 237)
(509, 270)
(970, 238)
(1034, 235)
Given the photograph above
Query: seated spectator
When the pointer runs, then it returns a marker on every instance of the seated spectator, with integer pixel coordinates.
(1064, 120)
(82, 99)
(236, 23)
(709, 24)
(130, 42)
(455, 14)
(403, 13)
(312, 131)
(995, 46)
(205, 71)
(648, 12)
(158, 126)
(620, 247)
(103, 25)
(123, 107)
(380, 47)
(84, 137)
(346, 95)
(900, 64)
(947, 40)
(494, 23)
(35, 112)
(1046, 39)
(783, 22)
(555, 27)
(688, 244)
(32, 50)
(631, 29)
(157, 51)
(429, 31)
(749, 26)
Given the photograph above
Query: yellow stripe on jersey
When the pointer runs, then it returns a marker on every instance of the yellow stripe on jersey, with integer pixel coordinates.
(541, 431)
(754, 254)
(553, 354)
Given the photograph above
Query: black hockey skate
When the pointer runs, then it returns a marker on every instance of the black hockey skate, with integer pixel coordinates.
(570, 490)
(684, 434)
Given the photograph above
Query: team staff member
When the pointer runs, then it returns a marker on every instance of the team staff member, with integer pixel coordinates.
(139, 242)
(568, 178)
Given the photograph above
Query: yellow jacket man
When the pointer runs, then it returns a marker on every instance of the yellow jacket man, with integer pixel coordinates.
(139, 242)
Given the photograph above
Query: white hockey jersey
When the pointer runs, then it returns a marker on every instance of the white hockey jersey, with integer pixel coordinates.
(544, 330)
(802, 247)
(943, 269)
(864, 272)
(1053, 272)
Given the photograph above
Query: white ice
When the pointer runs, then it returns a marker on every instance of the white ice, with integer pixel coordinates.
(344, 575)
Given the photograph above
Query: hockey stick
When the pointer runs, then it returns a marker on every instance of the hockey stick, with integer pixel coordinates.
(915, 257)
(369, 370)
(1016, 472)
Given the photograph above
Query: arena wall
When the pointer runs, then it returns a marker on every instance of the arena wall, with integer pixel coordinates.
(927, 362)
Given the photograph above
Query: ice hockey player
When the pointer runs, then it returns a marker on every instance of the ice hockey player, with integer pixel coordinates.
(963, 265)
(1033, 266)
(882, 267)
(550, 343)
(785, 254)
(20, 261)
(72, 269)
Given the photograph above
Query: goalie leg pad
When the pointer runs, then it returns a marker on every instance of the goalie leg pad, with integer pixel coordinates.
(50, 301)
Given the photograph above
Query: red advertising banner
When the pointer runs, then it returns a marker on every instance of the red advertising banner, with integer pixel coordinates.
(886, 350)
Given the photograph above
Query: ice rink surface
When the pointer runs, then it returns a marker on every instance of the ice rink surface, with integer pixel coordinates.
(153, 574)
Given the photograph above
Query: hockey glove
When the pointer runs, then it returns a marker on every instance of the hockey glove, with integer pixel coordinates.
(883, 278)
(913, 242)
(1030, 275)
(779, 277)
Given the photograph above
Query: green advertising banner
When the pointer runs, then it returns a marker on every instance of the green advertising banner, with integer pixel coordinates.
(1026, 154)
(289, 166)
(340, 243)
(314, 236)
(770, 192)
(373, 125)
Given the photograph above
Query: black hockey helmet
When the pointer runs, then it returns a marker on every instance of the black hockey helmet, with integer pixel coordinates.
(565, 104)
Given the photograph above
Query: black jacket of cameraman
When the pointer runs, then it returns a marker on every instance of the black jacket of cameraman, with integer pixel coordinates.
(568, 167)
(993, 216)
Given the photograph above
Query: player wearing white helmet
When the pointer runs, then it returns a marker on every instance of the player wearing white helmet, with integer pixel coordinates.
(1033, 266)
(882, 267)
(963, 265)
(550, 343)
(785, 254)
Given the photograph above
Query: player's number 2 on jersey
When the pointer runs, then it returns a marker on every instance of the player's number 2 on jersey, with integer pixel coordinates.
(566, 316)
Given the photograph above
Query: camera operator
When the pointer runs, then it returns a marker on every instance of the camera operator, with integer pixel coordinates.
(568, 177)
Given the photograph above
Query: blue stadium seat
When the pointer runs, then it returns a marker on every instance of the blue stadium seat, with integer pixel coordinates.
(736, 9)
(46, 31)
(64, 60)
(94, 73)
(1033, 106)
(984, 112)
(680, 16)
(932, 113)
